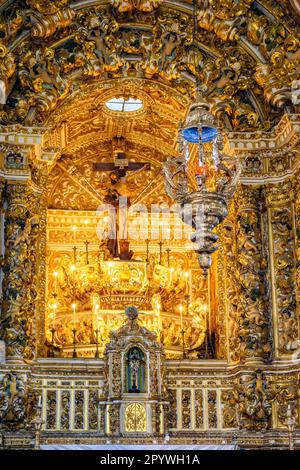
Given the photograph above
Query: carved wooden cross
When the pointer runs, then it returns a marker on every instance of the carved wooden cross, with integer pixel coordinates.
(121, 165)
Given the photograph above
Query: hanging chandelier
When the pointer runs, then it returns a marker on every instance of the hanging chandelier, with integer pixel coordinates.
(202, 188)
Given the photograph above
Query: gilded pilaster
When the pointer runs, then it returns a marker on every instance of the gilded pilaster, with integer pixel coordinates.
(297, 245)
(19, 292)
(248, 312)
(114, 419)
(283, 267)
(2, 186)
(40, 180)
(227, 291)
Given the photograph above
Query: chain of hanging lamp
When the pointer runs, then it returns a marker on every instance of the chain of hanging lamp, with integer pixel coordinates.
(203, 209)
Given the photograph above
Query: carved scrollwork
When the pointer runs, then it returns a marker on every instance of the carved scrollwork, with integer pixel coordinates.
(95, 42)
(252, 398)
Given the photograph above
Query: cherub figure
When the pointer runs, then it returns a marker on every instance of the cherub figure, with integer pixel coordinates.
(170, 41)
(97, 36)
(127, 6)
(23, 237)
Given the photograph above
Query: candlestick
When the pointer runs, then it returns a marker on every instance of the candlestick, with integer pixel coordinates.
(187, 298)
(181, 318)
(87, 251)
(51, 352)
(74, 343)
(160, 225)
(74, 313)
(55, 274)
(187, 278)
(291, 422)
(147, 250)
(38, 424)
(159, 322)
(160, 251)
(74, 254)
(168, 257)
(97, 344)
(182, 331)
(183, 344)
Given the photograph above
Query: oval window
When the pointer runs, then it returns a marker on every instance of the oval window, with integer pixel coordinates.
(124, 105)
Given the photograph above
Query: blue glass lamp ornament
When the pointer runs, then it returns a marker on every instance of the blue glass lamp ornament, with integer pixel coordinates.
(203, 208)
(199, 122)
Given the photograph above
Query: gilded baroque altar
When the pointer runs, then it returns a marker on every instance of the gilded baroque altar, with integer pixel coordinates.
(95, 107)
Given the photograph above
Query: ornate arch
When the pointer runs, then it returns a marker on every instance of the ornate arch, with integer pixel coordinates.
(245, 53)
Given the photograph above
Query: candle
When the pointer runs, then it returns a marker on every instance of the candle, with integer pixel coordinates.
(181, 317)
(160, 231)
(55, 274)
(147, 250)
(160, 251)
(40, 400)
(87, 251)
(187, 281)
(54, 307)
(168, 257)
(201, 170)
(74, 313)
(74, 254)
(72, 268)
(159, 317)
(159, 321)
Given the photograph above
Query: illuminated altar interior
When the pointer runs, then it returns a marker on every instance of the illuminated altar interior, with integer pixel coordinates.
(162, 103)
(86, 287)
(162, 279)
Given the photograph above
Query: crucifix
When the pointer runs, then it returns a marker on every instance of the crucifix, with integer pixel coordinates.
(117, 195)
(121, 165)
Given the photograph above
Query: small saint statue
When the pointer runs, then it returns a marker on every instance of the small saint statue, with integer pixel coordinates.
(135, 370)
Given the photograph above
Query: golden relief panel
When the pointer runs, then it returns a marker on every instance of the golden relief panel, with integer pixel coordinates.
(135, 418)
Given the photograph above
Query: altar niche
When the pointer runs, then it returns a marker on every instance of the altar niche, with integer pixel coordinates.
(132, 403)
(135, 370)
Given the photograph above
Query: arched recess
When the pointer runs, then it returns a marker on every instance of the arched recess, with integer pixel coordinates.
(135, 370)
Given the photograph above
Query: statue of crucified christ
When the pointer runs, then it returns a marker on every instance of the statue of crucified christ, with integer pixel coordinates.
(117, 196)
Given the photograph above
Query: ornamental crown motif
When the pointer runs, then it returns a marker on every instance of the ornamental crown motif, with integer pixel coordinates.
(132, 330)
